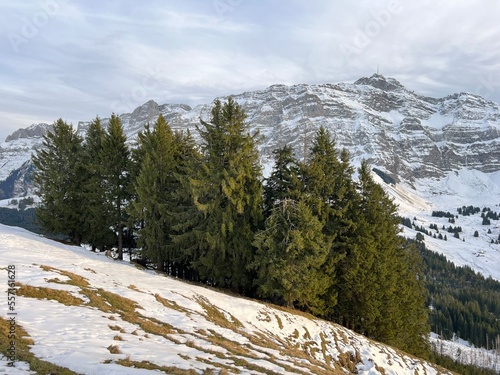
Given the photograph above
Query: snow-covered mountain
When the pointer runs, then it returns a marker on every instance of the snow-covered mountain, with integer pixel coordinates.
(443, 153)
(409, 136)
(94, 315)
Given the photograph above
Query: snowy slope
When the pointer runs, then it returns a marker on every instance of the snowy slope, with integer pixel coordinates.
(165, 322)
(463, 187)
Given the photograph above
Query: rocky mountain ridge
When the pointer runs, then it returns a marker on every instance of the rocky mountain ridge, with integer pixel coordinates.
(407, 135)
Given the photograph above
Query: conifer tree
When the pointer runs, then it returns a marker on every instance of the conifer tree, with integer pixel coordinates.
(290, 252)
(115, 173)
(285, 180)
(331, 194)
(188, 219)
(58, 178)
(96, 208)
(411, 293)
(154, 187)
(376, 282)
(227, 189)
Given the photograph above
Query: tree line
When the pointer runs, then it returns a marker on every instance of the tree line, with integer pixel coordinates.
(464, 303)
(310, 236)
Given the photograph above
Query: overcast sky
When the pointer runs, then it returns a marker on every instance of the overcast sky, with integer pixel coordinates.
(78, 59)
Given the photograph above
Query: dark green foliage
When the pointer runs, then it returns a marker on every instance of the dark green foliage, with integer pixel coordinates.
(442, 214)
(468, 210)
(58, 177)
(160, 196)
(115, 176)
(406, 222)
(464, 302)
(285, 180)
(153, 188)
(379, 291)
(20, 218)
(329, 245)
(331, 193)
(227, 189)
(290, 254)
(97, 209)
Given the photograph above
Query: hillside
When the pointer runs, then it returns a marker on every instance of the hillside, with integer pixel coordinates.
(460, 188)
(107, 317)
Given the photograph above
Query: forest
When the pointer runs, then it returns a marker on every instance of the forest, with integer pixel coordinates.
(310, 236)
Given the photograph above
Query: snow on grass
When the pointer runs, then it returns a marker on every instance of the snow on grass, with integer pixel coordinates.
(130, 317)
(465, 353)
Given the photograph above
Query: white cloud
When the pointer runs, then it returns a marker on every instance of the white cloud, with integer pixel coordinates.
(91, 55)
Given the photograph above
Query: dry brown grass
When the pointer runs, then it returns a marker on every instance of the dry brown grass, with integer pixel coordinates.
(23, 353)
(218, 316)
(61, 296)
(117, 328)
(114, 349)
(74, 279)
(172, 305)
(133, 287)
(172, 370)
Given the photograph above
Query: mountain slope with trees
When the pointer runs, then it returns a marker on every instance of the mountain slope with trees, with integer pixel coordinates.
(311, 236)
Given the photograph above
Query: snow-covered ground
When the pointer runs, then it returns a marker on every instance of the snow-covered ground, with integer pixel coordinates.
(166, 322)
(461, 188)
(465, 353)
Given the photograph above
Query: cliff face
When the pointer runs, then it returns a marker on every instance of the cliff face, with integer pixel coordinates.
(376, 118)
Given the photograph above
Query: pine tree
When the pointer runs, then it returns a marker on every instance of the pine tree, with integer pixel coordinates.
(116, 179)
(58, 178)
(96, 208)
(227, 189)
(290, 252)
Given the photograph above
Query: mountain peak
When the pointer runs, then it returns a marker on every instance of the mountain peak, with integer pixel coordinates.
(380, 82)
(33, 131)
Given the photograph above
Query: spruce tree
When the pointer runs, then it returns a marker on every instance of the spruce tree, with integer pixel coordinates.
(285, 180)
(290, 253)
(115, 172)
(331, 194)
(227, 189)
(378, 294)
(154, 187)
(58, 178)
(188, 219)
(96, 208)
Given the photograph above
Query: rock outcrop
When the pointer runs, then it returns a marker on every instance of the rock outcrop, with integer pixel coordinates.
(407, 135)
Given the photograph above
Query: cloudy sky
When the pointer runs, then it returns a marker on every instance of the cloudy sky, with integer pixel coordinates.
(78, 59)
